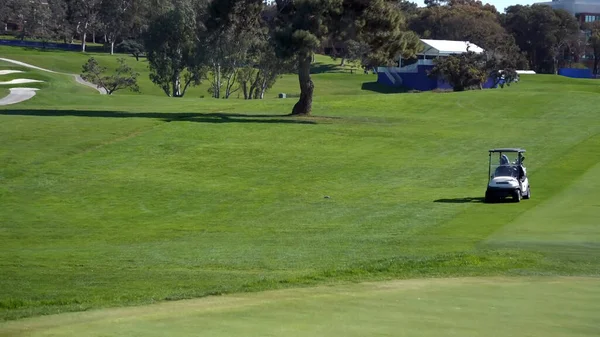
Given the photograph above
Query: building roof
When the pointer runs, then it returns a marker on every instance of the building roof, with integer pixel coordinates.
(448, 47)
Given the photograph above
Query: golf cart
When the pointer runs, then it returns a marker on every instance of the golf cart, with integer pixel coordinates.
(507, 176)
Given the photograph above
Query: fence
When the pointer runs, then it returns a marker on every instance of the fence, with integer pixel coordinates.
(575, 73)
(50, 45)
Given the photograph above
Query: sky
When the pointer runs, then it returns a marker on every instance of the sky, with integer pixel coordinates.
(499, 4)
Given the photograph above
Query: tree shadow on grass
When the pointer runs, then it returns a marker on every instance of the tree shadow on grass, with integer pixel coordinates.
(382, 88)
(169, 117)
(461, 200)
(319, 68)
(478, 200)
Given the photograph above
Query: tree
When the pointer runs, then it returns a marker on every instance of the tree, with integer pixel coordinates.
(594, 42)
(115, 16)
(5, 12)
(357, 54)
(407, 7)
(36, 22)
(86, 14)
(301, 25)
(124, 76)
(133, 47)
(171, 51)
(462, 72)
(501, 69)
(460, 20)
(232, 29)
(567, 30)
(60, 23)
(262, 70)
(542, 33)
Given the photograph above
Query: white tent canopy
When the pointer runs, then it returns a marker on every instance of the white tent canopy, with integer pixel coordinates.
(448, 47)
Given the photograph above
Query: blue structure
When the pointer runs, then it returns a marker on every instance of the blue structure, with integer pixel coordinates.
(417, 80)
(44, 45)
(576, 73)
(414, 76)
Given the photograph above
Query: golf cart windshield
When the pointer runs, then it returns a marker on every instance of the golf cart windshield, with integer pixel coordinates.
(504, 164)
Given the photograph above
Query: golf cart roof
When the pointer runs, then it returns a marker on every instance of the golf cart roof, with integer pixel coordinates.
(508, 149)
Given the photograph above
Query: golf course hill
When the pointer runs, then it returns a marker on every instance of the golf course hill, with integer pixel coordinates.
(138, 214)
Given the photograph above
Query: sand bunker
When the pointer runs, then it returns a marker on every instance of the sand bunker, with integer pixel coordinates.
(20, 80)
(6, 72)
(18, 95)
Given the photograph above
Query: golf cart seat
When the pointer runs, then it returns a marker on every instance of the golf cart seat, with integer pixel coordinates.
(504, 171)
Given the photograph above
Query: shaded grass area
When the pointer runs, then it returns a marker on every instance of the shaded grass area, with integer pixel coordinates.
(75, 41)
(134, 199)
(434, 307)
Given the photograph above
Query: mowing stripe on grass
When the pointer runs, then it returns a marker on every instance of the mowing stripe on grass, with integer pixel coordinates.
(468, 227)
(566, 224)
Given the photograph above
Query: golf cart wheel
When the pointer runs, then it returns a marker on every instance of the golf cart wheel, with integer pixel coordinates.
(489, 198)
(528, 194)
(516, 196)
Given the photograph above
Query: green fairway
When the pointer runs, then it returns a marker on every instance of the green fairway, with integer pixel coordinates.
(329, 78)
(567, 221)
(496, 307)
(133, 199)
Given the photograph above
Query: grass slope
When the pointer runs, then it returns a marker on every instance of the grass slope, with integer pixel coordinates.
(119, 200)
(329, 78)
(462, 307)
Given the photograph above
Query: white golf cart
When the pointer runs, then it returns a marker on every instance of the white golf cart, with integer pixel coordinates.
(507, 176)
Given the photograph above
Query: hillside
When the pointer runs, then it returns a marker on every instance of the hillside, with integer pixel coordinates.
(137, 198)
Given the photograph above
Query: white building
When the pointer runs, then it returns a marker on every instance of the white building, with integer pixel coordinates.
(433, 49)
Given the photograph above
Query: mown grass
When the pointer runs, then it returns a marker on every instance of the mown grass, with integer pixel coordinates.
(130, 199)
(331, 79)
(463, 306)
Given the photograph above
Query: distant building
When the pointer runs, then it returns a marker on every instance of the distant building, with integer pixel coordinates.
(586, 11)
(413, 73)
(583, 10)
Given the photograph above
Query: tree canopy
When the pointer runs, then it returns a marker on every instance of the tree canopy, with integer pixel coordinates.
(301, 25)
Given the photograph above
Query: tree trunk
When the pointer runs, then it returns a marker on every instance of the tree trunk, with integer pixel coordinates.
(230, 83)
(112, 47)
(217, 81)
(244, 85)
(254, 85)
(83, 41)
(84, 36)
(94, 37)
(177, 86)
(262, 92)
(304, 105)
(343, 63)
(596, 62)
